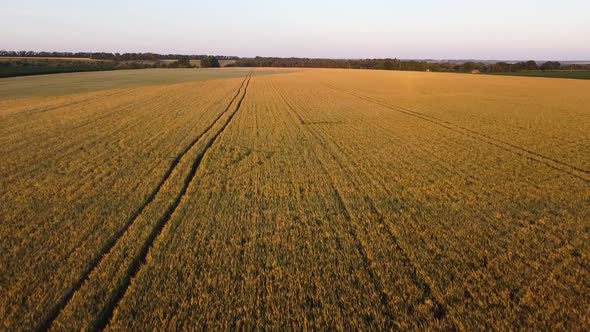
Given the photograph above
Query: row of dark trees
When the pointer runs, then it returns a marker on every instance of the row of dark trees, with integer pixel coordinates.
(22, 66)
(396, 64)
(209, 62)
(384, 64)
(110, 56)
(36, 66)
(503, 67)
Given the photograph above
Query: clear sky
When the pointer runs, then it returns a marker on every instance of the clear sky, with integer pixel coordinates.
(501, 29)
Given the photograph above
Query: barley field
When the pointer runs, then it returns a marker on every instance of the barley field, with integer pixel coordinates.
(273, 199)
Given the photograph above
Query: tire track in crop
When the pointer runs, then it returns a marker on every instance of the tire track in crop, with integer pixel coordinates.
(140, 259)
(106, 249)
(552, 163)
(367, 262)
(65, 152)
(360, 247)
(420, 278)
(421, 273)
(398, 139)
(418, 275)
(126, 126)
(475, 179)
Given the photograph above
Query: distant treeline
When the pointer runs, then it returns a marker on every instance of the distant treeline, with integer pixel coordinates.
(110, 56)
(411, 65)
(38, 66)
(27, 66)
(26, 63)
(23, 65)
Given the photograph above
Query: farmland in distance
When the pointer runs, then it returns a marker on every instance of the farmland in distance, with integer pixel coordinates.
(345, 199)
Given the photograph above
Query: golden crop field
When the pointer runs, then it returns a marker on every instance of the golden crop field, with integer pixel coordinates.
(231, 199)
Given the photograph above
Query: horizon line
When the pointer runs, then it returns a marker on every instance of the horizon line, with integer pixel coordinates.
(312, 57)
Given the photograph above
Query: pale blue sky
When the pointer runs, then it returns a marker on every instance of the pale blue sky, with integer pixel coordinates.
(501, 29)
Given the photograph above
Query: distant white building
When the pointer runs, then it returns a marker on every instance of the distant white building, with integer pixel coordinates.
(475, 71)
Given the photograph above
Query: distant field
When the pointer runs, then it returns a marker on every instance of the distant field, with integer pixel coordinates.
(225, 199)
(583, 75)
(74, 83)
